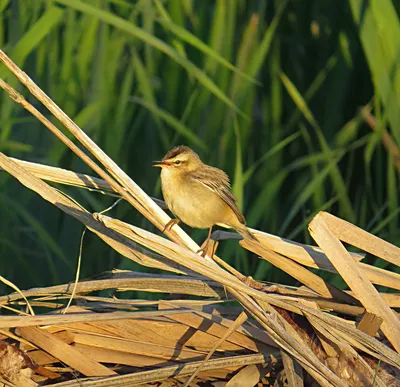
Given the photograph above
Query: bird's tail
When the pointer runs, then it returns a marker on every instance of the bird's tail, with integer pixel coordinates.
(246, 234)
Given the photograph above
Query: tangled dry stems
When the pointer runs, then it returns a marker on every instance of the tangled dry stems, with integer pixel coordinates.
(288, 329)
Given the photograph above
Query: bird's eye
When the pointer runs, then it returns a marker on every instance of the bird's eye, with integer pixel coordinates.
(177, 162)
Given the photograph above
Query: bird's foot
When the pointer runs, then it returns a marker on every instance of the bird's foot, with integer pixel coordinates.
(170, 224)
(202, 252)
(207, 248)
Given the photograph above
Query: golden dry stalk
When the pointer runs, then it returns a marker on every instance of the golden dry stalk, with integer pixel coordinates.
(273, 332)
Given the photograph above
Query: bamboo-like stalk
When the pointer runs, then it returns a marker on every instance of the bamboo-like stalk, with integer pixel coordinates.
(173, 251)
(134, 195)
(365, 291)
(179, 256)
(125, 247)
(144, 204)
(125, 186)
(292, 346)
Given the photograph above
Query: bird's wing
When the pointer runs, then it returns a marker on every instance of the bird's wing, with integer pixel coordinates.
(218, 182)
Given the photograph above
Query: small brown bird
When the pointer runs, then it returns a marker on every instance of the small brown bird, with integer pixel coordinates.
(198, 194)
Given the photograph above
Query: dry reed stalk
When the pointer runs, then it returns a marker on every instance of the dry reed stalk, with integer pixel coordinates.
(125, 186)
(138, 281)
(110, 285)
(250, 375)
(180, 258)
(124, 247)
(355, 337)
(163, 373)
(184, 257)
(297, 271)
(310, 256)
(159, 351)
(307, 255)
(28, 321)
(294, 347)
(168, 332)
(294, 372)
(336, 350)
(353, 235)
(291, 344)
(130, 191)
(236, 324)
(328, 239)
(170, 242)
(182, 285)
(66, 177)
(64, 352)
(218, 328)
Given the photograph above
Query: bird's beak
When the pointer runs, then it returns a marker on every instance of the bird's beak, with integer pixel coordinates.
(161, 164)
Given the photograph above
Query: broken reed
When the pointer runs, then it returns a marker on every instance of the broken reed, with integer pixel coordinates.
(178, 256)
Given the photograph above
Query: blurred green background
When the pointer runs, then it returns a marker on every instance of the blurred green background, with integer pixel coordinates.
(274, 92)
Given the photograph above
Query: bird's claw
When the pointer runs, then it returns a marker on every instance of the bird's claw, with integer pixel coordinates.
(170, 224)
(205, 248)
(202, 251)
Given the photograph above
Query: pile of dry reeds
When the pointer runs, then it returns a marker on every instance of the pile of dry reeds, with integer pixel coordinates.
(235, 332)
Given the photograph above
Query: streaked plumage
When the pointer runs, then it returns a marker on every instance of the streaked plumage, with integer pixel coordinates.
(199, 194)
(218, 182)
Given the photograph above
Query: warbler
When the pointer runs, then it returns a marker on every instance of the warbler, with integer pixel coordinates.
(199, 195)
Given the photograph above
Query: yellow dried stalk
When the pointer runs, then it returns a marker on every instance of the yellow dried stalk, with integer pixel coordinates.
(292, 346)
(305, 357)
(329, 241)
(236, 324)
(178, 258)
(115, 176)
(307, 255)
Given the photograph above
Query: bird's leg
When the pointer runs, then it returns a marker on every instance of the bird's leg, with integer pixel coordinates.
(204, 249)
(171, 224)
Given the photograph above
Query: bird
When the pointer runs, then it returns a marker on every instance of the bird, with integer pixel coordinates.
(198, 194)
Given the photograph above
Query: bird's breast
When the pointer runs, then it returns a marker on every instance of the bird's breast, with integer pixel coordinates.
(191, 202)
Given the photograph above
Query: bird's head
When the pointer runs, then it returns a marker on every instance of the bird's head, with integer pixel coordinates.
(179, 159)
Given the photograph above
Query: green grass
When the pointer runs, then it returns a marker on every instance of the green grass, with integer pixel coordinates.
(269, 91)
